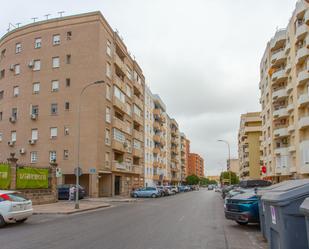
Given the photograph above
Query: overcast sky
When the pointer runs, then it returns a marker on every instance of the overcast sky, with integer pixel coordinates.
(201, 56)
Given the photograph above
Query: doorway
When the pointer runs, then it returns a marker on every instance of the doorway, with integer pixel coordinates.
(117, 185)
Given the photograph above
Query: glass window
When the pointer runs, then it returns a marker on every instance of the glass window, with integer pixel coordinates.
(129, 110)
(56, 62)
(33, 156)
(37, 43)
(65, 154)
(54, 108)
(108, 92)
(17, 69)
(108, 115)
(18, 48)
(52, 156)
(137, 144)
(13, 136)
(67, 106)
(108, 70)
(128, 90)
(35, 109)
(53, 132)
(56, 39)
(118, 135)
(55, 86)
(36, 65)
(109, 48)
(1, 136)
(34, 134)
(137, 110)
(107, 137)
(68, 82)
(15, 91)
(36, 87)
(119, 94)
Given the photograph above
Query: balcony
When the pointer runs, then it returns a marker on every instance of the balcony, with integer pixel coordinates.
(306, 17)
(303, 122)
(138, 135)
(303, 100)
(138, 87)
(292, 148)
(157, 112)
(278, 56)
(156, 150)
(138, 102)
(301, 30)
(281, 132)
(280, 93)
(282, 151)
(120, 125)
(279, 76)
(288, 68)
(126, 168)
(156, 125)
(138, 119)
(278, 39)
(119, 146)
(289, 88)
(137, 152)
(118, 104)
(291, 128)
(302, 77)
(120, 84)
(252, 129)
(120, 64)
(156, 138)
(174, 150)
(301, 54)
(156, 177)
(280, 113)
(290, 108)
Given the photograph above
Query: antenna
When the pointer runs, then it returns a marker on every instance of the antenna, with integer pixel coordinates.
(18, 24)
(9, 28)
(34, 18)
(60, 13)
(47, 15)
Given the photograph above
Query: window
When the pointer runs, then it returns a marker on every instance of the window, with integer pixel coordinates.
(53, 132)
(108, 115)
(66, 131)
(65, 154)
(52, 156)
(17, 69)
(69, 35)
(129, 73)
(56, 62)
(109, 48)
(55, 86)
(68, 59)
(137, 144)
(108, 92)
(128, 90)
(108, 70)
(67, 106)
(54, 109)
(15, 91)
(137, 110)
(37, 42)
(36, 65)
(36, 87)
(106, 158)
(56, 39)
(35, 109)
(1, 136)
(13, 136)
(67, 82)
(18, 48)
(1, 116)
(34, 134)
(1, 94)
(119, 94)
(33, 156)
(118, 135)
(129, 110)
(107, 137)
(2, 73)
(14, 113)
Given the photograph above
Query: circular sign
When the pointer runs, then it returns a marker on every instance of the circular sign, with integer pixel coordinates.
(264, 169)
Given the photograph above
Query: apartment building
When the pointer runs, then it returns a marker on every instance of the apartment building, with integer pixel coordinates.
(284, 85)
(196, 165)
(249, 150)
(233, 166)
(175, 150)
(184, 153)
(44, 67)
(155, 140)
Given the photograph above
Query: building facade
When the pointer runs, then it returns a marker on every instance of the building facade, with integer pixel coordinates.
(233, 166)
(44, 68)
(196, 165)
(249, 151)
(184, 153)
(284, 85)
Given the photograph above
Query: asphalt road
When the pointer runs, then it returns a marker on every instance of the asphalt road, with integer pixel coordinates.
(193, 220)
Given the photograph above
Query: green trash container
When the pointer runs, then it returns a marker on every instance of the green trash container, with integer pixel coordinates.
(304, 209)
(260, 193)
(284, 222)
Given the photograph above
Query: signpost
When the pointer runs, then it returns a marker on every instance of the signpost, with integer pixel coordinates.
(78, 171)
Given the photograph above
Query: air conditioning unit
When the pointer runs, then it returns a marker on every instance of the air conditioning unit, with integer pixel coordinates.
(12, 67)
(22, 151)
(31, 64)
(66, 131)
(12, 119)
(32, 141)
(15, 94)
(34, 116)
(11, 143)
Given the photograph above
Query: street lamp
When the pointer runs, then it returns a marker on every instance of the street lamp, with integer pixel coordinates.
(78, 140)
(229, 161)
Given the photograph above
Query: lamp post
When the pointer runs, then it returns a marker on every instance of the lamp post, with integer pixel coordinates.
(229, 160)
(78, 140)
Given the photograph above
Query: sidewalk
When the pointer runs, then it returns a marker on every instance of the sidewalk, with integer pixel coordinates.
(66, 207)
(113, 199)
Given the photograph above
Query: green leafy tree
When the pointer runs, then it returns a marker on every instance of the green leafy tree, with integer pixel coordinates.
(204, 181)
(192, 180)
(225, 177)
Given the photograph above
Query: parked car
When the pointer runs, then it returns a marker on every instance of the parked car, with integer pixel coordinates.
(254, 183)
(175, 189)
(163, 191)
(170, 190)
(146, 192)
(226, 189)
(243, 208)
(64, 191)
(210, 187)
(14, 208)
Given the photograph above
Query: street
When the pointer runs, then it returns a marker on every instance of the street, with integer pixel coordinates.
(186, 221)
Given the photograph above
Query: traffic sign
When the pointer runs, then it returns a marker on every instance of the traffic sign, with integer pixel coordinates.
(78, 171)
(58, 172)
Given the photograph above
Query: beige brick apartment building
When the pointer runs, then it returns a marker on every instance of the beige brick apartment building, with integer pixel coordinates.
(43, 68)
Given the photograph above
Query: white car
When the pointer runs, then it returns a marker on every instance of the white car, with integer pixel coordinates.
(13, 208)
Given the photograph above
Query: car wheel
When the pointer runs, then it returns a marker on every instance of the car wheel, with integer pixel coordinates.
(2, 222)
(135, 195)
(242, 223)
(22, 221)
(153, 196)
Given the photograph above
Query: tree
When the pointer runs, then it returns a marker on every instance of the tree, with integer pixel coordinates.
(204, 181)
(225, 177)
(192, 180)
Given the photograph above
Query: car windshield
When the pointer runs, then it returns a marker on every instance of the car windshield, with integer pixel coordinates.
(16, 197)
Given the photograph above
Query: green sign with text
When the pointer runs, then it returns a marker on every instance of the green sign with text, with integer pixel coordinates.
(5, 177)
(30, 178)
